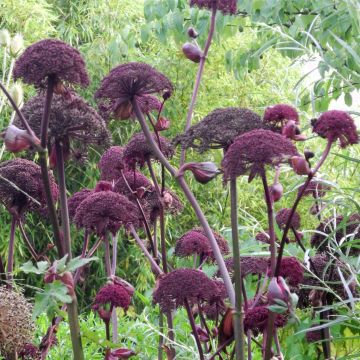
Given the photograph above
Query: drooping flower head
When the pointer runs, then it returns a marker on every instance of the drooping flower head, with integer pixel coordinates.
(175, 288)
(51, 57)
(111, 163)
(196, 242)
(341, 230)
(131, 81)
(21, 187)
(256, 319)
(225, 6)
(138, 150)
(17, 328)
(105, 211)
(278, 115)
(219, 129)
(71, 118)
(336, 125)
(252, 151)
(282, 217)
(76, 199)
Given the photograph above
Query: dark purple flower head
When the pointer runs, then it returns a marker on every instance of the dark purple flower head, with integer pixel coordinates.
(225, 6)
(292, 271)
(114, 295)
(111, 163)
(313, 335)
(222, 243)
(315, 188)
(337, 125)
(256, 319)
(282, 217)
(340, 229)
(138, 150)
(136, 181)
(105, 211)
(249, 265)
(264, 237)
(54, 58)
(219, 129)
(131, 81)
(30, 352)
(70, 118)
(279, 115)
(152, 204)
(21, 187)
(252, 151)
(175, 288)
(75, 200)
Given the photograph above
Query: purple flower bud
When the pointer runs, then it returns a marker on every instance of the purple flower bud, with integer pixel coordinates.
(202, 334)
(289, 130)
(203, 172)
(300, 165)
(308, 154)
(162, 124)
(17, 140)
(192, 33)
(276, 191)
(278, 290)
(119, 354)
(192, 52)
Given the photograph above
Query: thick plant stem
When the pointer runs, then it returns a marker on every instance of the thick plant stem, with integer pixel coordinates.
(193, 327)
(191, 198)
(238, 314)
(271, 321)
(198, 78)
(44, 169)
(11, 250)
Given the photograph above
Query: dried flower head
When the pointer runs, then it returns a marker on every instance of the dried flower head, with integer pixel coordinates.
(278, 115)
(175, 288)
(114, 295)
(131, 81)
(292, 270)
(337, 125)
(17, 328)
(225, 6)
(76, 199)
(282, 217)
(340, 229)
(138, 150)
(105, 211)
(252, 151)
(196, 242)
(21, 186)
(315, 188)
(70, 118)
(51, 57)
(111, 163)
(219, 129)
(256, 319)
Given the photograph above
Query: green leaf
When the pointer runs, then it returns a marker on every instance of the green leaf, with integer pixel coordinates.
(78, 262)
(278, 309)
(61, 264)
(40, 268)
(348, 99)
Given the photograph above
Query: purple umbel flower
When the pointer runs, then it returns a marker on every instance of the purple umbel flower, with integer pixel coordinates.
(175, 288)
(225, 6)
(291, 270)
(256, 319)
(249, 265)
(337, 125)
(341, 229)
(105, 211)
(138, 150)
(131, 81)
(252, 151)
(76, 199)
(111, 163)
(51, 57)
(279, 114)
(219, 129)
(114, 295)
(282, 217)
(21, 186)
(71, 118)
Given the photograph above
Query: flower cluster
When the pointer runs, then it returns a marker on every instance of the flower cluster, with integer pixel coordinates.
(282, 217)
(225, 6)
(111, 163)
(75, 200)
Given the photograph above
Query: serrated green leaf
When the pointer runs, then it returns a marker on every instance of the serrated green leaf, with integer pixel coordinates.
(78, 262)
(40, 268)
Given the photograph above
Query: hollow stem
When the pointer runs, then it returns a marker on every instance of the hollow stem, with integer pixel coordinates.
(191, 198)
(193, 327)
(198, 78)
(238, 314)
(11, 250)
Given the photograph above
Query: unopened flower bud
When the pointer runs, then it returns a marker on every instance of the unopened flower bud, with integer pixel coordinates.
(202, 334)
(192, 52)
(300, 165)
(203, 172)
(17, 140)
(276, 191)
(166, 95)
(278, 290)
(192, 33)
(308, 154)
(140, 191)
(123, 112)
(120, 354)
(17, 94)
(5, 38)
(162, 124)
(289, 129)
(16, 45)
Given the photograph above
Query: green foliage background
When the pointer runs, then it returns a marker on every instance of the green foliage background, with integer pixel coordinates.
(245, 68)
